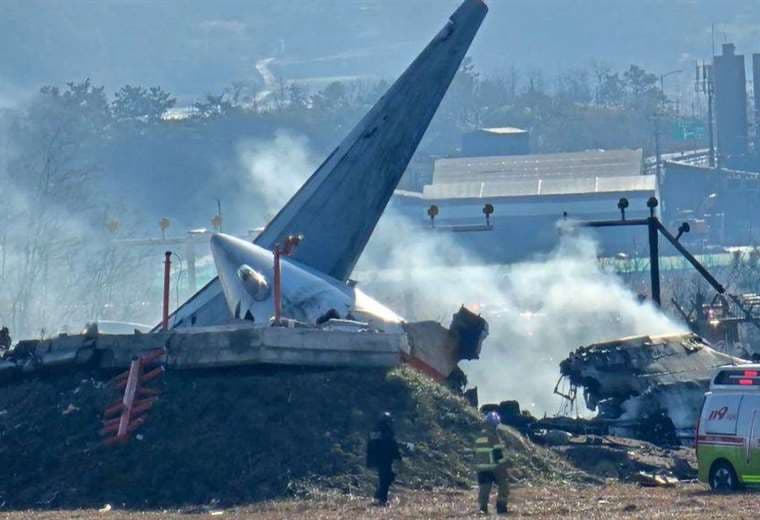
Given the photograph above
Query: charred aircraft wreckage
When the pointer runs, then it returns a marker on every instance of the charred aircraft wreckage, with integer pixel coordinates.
(645, 386)
(328, 321)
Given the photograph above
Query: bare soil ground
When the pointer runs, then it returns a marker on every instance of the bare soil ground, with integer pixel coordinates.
(612, 500)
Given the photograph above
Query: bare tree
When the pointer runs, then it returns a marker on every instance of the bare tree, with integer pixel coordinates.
(50, 184)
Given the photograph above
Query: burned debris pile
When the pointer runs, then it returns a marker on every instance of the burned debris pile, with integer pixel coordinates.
(646, 386)
(590, 448)
(627, 459)
(236, 436)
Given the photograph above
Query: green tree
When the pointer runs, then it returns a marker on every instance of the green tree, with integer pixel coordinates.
(461, 102)
(134, 103)
(49, 181)
(573, 86)
(214, 106)
(644, 94)
(610, 90)
(80, 107)
(333, 98)
(297, 98)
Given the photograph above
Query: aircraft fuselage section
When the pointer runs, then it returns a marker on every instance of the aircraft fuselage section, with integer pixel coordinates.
(246, 273)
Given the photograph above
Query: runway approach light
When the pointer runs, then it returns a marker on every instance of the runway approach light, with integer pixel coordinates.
(291, 244)
(622, 205)
(488, 211)
(651, 204)
(287, 249)
(432, 213)
(113, 225)
(683, 228)
(216, 223)
(164, 224)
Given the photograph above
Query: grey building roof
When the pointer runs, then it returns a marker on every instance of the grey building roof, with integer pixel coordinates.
(540, 187)
(588, 165)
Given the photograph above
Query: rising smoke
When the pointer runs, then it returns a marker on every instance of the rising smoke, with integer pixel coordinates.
(538, 310)
(549, 307)
(274, 170)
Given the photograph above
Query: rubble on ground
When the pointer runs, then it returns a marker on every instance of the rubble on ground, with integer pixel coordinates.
(645, 479)
(625, 459)
(588, 446)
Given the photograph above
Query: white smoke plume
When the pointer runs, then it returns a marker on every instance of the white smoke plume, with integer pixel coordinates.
(538, 310)
(275, 169)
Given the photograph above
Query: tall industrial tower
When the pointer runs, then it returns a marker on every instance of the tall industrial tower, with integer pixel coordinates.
(730, 106)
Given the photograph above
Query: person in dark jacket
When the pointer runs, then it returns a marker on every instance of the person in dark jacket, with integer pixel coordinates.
(382, 450)
(5, 338)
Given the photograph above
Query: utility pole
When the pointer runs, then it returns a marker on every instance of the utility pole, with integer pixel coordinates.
(190, 259)
(219, 213)
(704, 85)
(756, 100)
(709, 86)
(167, 279)
(658, 156)
(657, 123)
(654, 251)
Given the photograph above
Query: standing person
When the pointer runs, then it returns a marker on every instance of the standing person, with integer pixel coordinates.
(5, 338)
(491, 465)
(382, 450)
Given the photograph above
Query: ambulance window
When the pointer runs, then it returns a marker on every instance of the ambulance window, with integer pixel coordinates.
(738, 377)
(720, 414)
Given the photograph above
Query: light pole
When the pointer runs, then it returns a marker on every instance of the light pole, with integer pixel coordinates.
(657, 123)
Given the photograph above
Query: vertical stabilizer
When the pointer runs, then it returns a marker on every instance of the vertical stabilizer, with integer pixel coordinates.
(339, 206)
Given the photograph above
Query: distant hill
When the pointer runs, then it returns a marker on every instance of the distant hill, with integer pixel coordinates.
(193, 47)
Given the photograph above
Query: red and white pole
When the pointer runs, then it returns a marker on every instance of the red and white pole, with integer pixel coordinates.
(130, 391)
(290, 246)
(277, 285)
(167, 273)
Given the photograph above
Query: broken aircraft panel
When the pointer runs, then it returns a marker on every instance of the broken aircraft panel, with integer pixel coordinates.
(632, 380)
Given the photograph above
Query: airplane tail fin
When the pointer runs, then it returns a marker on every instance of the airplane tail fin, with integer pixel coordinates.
(338, 207)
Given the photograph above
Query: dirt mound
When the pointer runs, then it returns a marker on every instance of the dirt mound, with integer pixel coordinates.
(236, 437)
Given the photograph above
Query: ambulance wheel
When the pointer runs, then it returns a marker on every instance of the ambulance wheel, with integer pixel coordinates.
(723, 477)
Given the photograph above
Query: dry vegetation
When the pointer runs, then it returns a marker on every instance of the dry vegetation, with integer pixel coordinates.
(688, 501)
(240, 437)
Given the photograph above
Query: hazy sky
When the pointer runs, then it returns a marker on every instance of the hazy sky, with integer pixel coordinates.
(193, 47)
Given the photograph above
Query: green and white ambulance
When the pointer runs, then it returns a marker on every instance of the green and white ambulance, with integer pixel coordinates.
(728, 432)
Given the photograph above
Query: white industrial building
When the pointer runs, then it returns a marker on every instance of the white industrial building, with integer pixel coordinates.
(529, 194)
